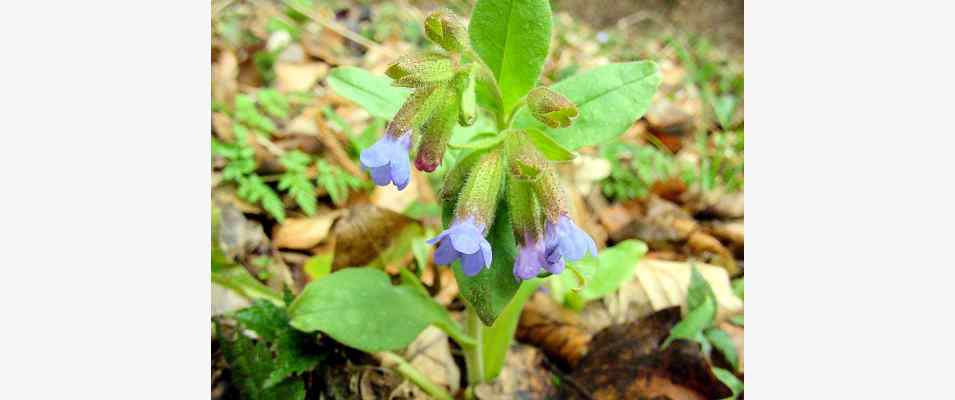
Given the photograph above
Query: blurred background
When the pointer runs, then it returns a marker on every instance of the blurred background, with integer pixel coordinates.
(291, 204)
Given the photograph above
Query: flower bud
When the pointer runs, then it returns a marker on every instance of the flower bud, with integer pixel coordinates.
(467, 86)
(417, 109)
(444, 28)
(436, 132)
(478, 198)
(551, 108)
(525, 161)
(416, 70)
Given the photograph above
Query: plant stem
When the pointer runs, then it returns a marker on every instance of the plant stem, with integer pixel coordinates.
(474, 357)
(416, 377)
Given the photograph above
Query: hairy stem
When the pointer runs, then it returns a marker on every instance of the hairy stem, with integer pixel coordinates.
(473, 356)
(416, 377)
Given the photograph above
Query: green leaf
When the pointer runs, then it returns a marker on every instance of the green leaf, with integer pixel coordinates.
(724, 107)
(318, 266)
(699, 290)
(491, 290)
(360, 308)
(293, 349)
(253, 189)
(737, 319)
(373, 92)
(497, 338)
(478, 142)
(273, 102)
(605, 273)
(237, 278)
(722, 342)
(548, 146)
(610, 99)
(251, 366)
(738, 288)
(694, 323)
(513, 38)
(729, 380)
(263, 317)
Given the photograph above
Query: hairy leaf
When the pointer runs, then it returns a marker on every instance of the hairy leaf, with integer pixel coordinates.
(373, 92)
(513, 38)
(360, 308)
(610, 99)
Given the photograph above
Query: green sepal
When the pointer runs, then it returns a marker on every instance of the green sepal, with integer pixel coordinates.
(551, 108)
(446, 29)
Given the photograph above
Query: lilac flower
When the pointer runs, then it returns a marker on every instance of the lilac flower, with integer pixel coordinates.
(387, 160)
(530, 259)
(565, 241)
(465, 240)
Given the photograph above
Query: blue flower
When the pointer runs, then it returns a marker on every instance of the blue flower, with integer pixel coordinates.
(464, 240)
(530, 259)
(387, 160)
(565, 241)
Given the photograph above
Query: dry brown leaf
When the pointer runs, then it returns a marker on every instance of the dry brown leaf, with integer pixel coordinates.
(222, 126)
(554, 329)
(626, 362)
(430, 354)
(364, 232)
(291, 77)
(588, 171)
(390, 198)
(225, 74)
(304, 233)
(663, 284)
(523, 377)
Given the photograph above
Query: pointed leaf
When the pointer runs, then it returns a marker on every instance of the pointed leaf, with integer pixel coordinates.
(373, 92)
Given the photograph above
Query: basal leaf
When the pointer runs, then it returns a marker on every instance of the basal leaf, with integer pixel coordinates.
(360, 308)
(491, 290)
(373, 92)
(548, 146)
(610, 99)
(513, 38)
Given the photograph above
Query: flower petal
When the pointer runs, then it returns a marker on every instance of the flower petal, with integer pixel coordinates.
(381, 175)
(400, 171)
(445, 255)
(472, 263)
(378, 154)
(467, 238)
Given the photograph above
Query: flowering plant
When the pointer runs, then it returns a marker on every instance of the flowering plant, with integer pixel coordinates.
(507, 220)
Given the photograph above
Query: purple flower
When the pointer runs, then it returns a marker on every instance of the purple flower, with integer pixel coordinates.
(530, 259)
(387, 160)
(565, 241)
(463, 239)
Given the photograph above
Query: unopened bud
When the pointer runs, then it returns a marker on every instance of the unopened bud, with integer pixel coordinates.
(525, 211)
(525, 161)
(436, 132)
(479, 197)
(417, 109)
(446, 29)
(551, 108)
(416, 70)
(467, 86)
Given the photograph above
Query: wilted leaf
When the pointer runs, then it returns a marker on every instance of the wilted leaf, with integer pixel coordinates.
(365, 232)
(627, 362)
(304, 233)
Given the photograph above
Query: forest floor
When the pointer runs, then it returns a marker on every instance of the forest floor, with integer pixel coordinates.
(673, 182)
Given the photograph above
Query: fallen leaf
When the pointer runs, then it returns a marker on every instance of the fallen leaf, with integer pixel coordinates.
(664, 284)
(225, 75)
(523, 377)
(366, 232)
(430, 354)
(239, 237)
(304, 233)
(291, 77)
(390, 198)
(626, 362)
(555, 330)
(588, 171)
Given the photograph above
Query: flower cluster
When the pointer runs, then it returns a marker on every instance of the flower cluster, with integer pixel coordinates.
(514, 169)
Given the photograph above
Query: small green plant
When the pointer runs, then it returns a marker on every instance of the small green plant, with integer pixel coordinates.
(634, 169)
(698, 325)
